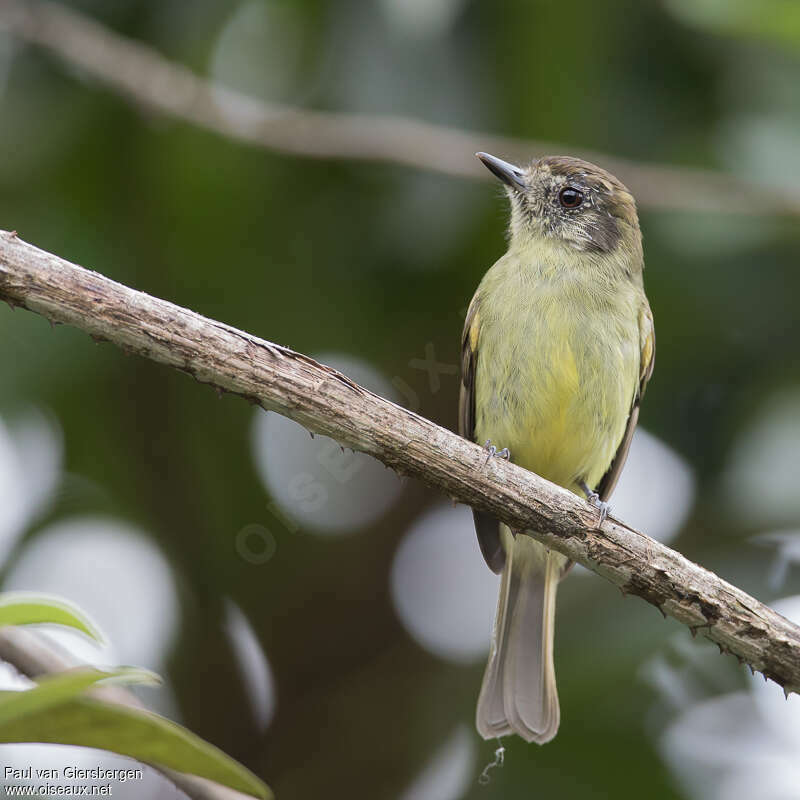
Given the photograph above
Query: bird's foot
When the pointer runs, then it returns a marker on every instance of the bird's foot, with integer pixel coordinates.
(594, 498)
(493, 452)
(604, 508)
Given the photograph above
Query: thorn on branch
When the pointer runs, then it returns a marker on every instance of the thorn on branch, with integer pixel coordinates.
(694, 628)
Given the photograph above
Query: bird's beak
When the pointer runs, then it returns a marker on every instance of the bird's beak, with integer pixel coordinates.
(508, 173)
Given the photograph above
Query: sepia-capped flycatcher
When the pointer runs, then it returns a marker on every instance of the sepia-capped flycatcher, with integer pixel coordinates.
(558, 346)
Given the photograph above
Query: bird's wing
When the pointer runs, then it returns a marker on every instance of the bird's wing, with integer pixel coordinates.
(647, 343)
(486, 526)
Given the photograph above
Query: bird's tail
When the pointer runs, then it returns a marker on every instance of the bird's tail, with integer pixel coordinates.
(518, 694)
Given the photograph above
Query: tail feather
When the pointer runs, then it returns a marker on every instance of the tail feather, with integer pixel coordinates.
(519, 694)
(491, 716)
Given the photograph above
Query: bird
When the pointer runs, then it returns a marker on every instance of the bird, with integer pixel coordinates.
(557, 349)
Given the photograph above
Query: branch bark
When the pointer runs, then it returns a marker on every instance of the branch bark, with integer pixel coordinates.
(141, 74)
(327, 402)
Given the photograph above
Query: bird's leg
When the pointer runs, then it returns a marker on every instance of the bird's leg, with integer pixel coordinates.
(492, 451)
(595, 500)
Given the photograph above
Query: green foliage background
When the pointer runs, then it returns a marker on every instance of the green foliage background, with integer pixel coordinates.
(377, 261)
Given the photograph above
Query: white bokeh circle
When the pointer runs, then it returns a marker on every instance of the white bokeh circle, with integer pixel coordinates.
(255, 669)
(442, 590)
(30, 468)
(656, 489)
(781, 714)
(447, 775)
(760, 482)
(111, 571)
(316, 483)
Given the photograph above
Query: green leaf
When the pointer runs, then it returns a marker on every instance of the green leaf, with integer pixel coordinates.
(55, 689)
(776, 20)
(27, 608)
(132, 732)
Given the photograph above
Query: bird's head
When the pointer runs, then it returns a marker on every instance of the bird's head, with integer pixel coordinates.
(568, 202)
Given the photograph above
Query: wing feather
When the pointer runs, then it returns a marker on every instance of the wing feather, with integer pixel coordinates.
(486, 526)
(647, 343)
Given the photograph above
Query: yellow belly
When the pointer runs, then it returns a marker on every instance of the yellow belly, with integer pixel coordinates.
(554, 383)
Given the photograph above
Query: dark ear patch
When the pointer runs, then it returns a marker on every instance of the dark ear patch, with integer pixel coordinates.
(605, 233)
(621, 204)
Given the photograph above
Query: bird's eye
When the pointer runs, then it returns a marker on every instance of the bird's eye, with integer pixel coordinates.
(570, 198)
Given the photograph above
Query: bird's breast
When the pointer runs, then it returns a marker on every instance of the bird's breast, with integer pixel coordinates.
(556, 375)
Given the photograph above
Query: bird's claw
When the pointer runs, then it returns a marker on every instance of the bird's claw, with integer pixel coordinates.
(604, 508)
(492, 451)
(594, 499)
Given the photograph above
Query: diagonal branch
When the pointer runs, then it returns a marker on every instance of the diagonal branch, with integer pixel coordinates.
(141, 74)
(327, 402)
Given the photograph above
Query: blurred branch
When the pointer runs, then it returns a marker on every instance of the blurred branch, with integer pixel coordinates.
(327, 402)
(34, 658)
(143, 75)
